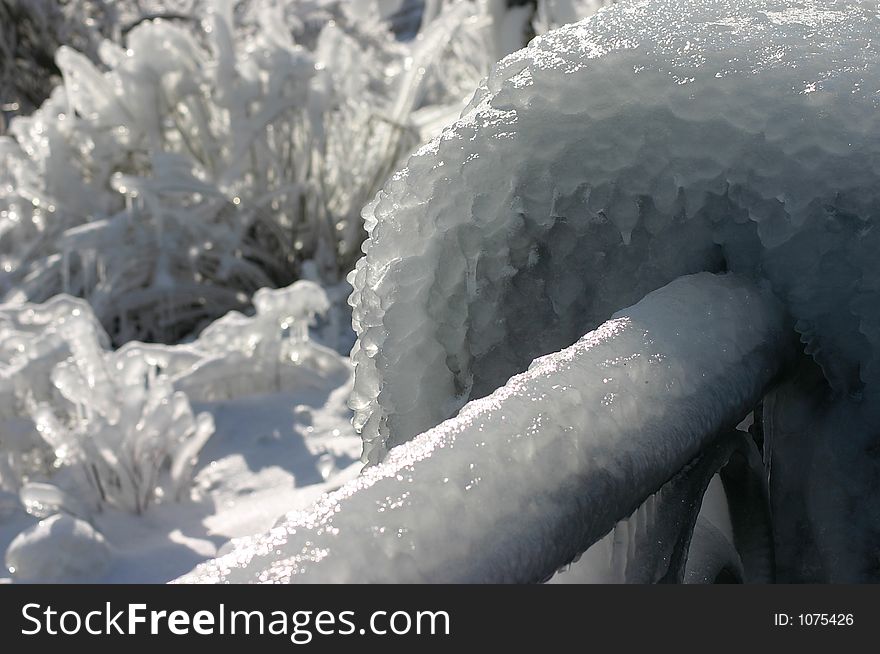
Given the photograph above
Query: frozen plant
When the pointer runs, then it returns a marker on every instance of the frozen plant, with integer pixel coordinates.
(30, 33)
(66, 402)
(202, 162)
(33, 339)
(32, 342)
(268, 352)
(109, 422)
(127, 426)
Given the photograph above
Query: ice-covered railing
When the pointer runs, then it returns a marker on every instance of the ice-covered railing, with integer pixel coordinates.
(112, 421)
(606, 160)
(523, 481)
(709, 523)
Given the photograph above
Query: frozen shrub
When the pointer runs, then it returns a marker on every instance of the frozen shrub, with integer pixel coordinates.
(30, 32)
(268, 352)
(117, 425)
(33, 339)
(127, 425)
(170, 181)
(32, 343)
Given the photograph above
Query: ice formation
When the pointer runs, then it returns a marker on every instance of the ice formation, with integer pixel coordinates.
(694, 529)
(269, 351)
(30, 32)
(596, 166)
(659, 143)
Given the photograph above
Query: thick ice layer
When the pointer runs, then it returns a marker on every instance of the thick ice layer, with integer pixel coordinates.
(607, 159)
(524, 480)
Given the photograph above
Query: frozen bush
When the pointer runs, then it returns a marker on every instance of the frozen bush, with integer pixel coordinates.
(268, 352)
(113, 421)
(200, 163)
(127, 425)
(33, 339)
(32, 30)
(32, 343)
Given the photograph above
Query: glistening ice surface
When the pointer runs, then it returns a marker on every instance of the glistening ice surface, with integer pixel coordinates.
(521, 482)
(608, 158)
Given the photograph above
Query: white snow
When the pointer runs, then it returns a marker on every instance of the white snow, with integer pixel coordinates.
(60, 548)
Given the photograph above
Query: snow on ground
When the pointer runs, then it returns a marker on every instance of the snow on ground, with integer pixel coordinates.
(270, 454)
